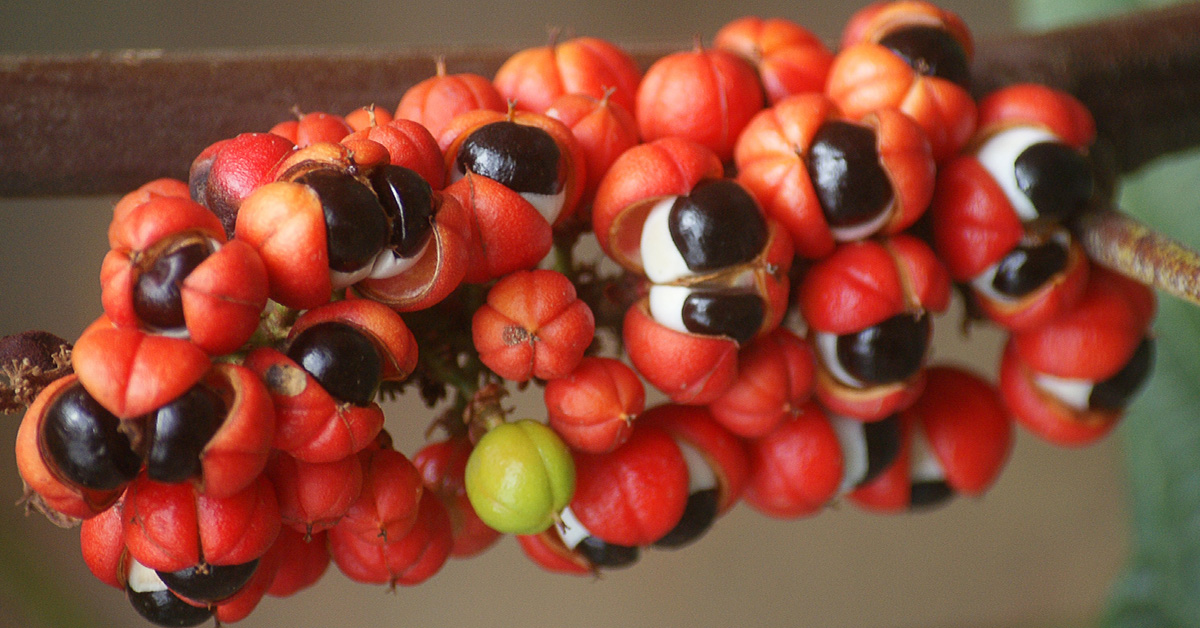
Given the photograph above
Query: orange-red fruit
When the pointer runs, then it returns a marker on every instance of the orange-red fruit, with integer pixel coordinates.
(302, 562)
(790, 59)
(312, 128)
(535, 77)
(704, 95)
(532, 326)
(603, 128)
(775, 378)
(313, 496)
(442, 465)
(722, 451)
(406, 561)
(593, 407)
(437, 100)
(796, 468)
(634, 494)
(687, 368)
(410, 145)
(386, 509)
(367, 117)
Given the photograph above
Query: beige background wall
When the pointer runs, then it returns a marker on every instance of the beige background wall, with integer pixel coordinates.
(1039, 550)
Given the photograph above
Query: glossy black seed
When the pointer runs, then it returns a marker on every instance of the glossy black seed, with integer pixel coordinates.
(157, 295)
(851, 184)
(697, 518)
(736, 315)
(356, 225)
(1027, 268)
(883, 446)
(209, 583)
(408, 201)
(164, 608)
(891, 351)
(1116, 392)
(929, 494)
(716, 226)
(1057, 179)
(932, 52)
(604, 555)
(345, 362)
(179, 431)
(521, 157)
(85, 444)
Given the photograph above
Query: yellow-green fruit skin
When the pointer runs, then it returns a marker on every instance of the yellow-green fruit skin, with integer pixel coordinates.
(519, 476)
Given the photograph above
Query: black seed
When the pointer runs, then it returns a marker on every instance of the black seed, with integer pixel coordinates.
(932, 52)
(179, 431)
(408, 201)
(604, 555)
(356, 225)
(929, 494)
(345, 362)
(209, 583)
(85, 443)
(716, 226)
(851, 185)
(737, 315)
(883, 446)
(891, 351)
(697, 518)
(1057, 179)
(1027, 268)
(164, 608)
(1115, 392)
(523, 158)
(157, 296)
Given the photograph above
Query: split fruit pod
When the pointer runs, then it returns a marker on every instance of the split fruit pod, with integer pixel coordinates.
(321, 225)
(519, 477)
(706, 95)
(1001, 207)
(173, 527)
(789, 58)
(869, 309)
(533, 78)
(1068, 381)
(226, 172)
(171, 271)
(78, 465)
(831, 178)
(913, 56)
(957, 437)
(532, 325)
(324, 382)
(533, 155)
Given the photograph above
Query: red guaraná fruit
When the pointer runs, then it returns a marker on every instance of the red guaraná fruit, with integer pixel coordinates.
(321, 225)
(532, 325)
(776, 375)
(603, 128)
(367, 117)
(303, 560)
(437, 100)
(868, 307)
(706, 95)
(442, 465)
(172, 527)
(314, 496)
(831, 178)
(593, 407)
(387, 507)
(790, 59)
(956, 438)
(718, 468)
(131, 372)
(406, 561)
(1000, 209)
(1069, 380)
(171, 271)
(533, 78)
(71, 453)
(796, 468)
(225, 173)
(915, 57)
(312, 128)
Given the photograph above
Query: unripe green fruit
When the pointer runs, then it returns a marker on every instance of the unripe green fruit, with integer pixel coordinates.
(519, 477)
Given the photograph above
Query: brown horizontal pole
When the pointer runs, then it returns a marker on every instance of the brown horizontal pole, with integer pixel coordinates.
(108, 122)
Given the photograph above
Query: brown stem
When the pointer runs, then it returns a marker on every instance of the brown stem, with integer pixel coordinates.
(1122, 243)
